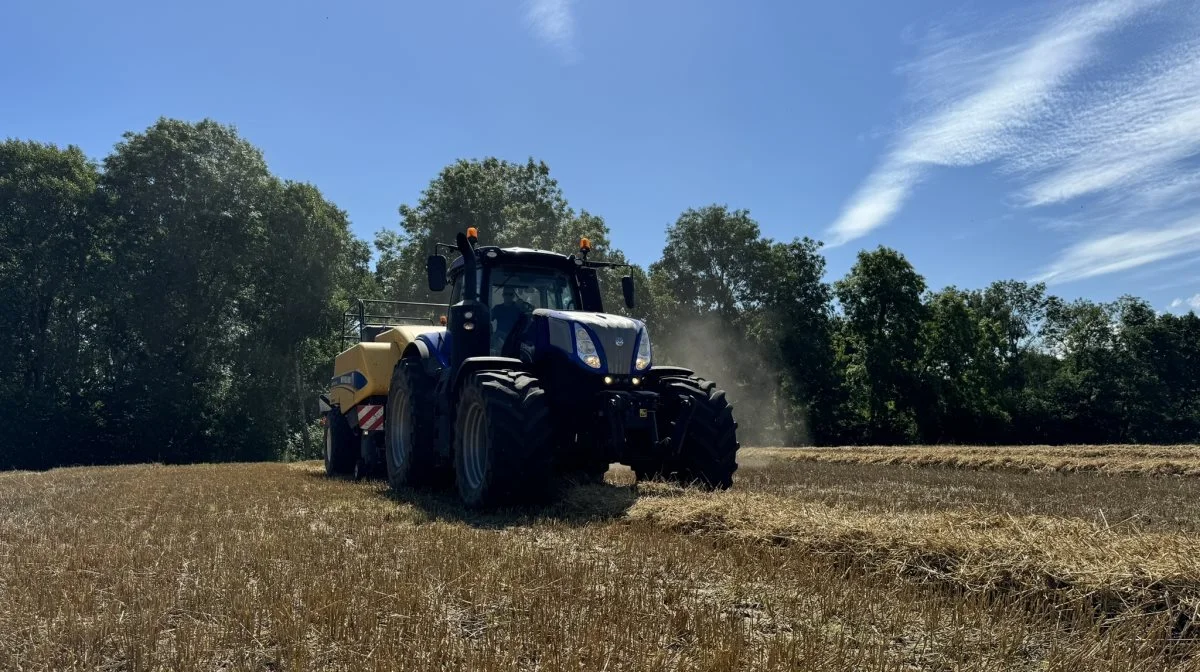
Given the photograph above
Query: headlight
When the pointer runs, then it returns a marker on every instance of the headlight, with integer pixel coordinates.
(642, 361)
(585, 348)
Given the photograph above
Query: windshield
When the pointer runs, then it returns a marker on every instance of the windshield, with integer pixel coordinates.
(517, 291)
(531, 288)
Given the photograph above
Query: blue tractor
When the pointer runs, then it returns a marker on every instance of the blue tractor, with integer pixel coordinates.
(531, 384)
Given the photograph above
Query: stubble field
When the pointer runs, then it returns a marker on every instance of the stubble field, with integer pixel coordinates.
(858, 562)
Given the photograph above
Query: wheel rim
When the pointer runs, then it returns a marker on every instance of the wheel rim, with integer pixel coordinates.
(397, 432)
(474, 447)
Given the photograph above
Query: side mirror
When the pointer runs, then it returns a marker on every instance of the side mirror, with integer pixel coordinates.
(627, 290)
(435, 267)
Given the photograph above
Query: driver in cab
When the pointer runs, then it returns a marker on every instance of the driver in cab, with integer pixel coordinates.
(505, 316)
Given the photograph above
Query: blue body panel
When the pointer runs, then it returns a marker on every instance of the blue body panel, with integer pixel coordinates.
(570, 318)
(439, 346)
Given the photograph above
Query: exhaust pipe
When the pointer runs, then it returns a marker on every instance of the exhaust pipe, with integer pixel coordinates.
(470, 291)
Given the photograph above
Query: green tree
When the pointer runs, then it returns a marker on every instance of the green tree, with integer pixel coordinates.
(752, 314)
(703, 284)
(792, 321)
(223, 296)
(960, 377)
(1086, 387)
(510, 204)
(878, 348)
(710, 263)
(190, 203)
(1171, 350)
(51, 247)
(294, 303)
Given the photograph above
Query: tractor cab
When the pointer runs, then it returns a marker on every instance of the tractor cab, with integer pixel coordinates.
(515, 287)
(513, 283)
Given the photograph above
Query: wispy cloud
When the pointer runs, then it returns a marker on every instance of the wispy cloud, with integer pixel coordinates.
(1065, 118)
(553, 22)
(979, 110)
(1134, 133)
(1192, 303)
(1124, 250)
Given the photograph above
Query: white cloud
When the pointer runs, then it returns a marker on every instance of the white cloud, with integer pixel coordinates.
(554, 23)
(1192, 303)
(980, 106)
(1069, 117)
(1123, 251)
(1133, 134)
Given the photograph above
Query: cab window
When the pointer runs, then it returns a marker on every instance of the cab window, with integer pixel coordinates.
(456, 290)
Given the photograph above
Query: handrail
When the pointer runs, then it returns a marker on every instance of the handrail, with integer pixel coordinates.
(358, 317)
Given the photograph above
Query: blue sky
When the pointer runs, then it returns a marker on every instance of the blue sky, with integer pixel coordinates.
(984, 140)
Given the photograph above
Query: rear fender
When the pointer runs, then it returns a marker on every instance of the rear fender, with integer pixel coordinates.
(420, 350)
(435, 349)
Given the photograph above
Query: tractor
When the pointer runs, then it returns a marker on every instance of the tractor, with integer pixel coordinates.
(526, 384)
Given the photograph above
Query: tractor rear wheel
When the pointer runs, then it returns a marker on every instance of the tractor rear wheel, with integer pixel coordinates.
(709, 453)
(408, 430)
(503, 443)
(341, 448)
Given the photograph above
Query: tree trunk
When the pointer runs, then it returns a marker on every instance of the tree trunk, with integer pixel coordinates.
(300, 406)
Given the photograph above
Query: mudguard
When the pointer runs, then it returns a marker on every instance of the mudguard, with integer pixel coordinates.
(437, 347)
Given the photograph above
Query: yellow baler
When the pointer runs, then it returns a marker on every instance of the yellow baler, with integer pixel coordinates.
(365, 369)
(354, 405)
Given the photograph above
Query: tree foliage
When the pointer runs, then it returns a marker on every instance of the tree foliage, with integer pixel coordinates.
(180, 308)
(178, 302)
(879, 342)
(510, 204)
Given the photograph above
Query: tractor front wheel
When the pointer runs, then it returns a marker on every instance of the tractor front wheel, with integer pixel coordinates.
(708, 456)
(408, 430)
(341, 448)
(503, 445)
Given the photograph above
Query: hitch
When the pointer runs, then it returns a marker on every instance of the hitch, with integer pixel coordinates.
(673, 444)
(616, 425)
(622, 412)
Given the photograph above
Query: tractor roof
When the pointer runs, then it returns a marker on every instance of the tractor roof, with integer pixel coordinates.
(491, 255)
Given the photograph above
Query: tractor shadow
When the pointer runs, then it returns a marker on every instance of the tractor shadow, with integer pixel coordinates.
(576, 505)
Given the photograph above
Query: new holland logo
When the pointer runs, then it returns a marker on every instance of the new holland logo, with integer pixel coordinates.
(620, 341)
(354, 380)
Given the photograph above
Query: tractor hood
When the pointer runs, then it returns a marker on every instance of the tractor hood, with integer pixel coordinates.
(615, 337)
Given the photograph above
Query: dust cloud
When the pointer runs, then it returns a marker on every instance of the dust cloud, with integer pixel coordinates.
(725, 355)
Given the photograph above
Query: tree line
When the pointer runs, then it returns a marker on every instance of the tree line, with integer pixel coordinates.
(177, 302)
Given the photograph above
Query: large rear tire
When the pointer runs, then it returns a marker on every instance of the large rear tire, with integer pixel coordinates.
(341, 448)
(408, 429)
(709, 454)
(503, 444)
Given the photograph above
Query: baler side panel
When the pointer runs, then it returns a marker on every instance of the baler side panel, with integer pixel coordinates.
(362, 371)
(365, 369)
